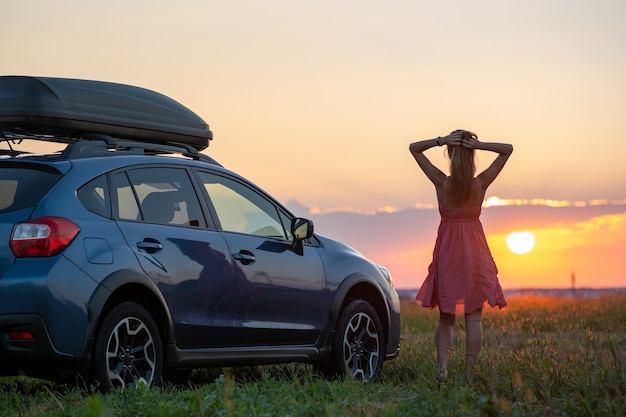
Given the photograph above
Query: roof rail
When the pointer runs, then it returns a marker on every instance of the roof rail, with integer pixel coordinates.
(90, 144)
(97, 144)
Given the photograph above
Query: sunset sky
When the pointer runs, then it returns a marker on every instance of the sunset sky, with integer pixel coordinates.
(317, 101)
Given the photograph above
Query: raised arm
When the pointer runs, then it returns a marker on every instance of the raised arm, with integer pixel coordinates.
(434, 174)
(417, 149)
(503, 150)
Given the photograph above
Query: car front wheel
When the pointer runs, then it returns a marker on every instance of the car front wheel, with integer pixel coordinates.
(128, 348)
(359, 345)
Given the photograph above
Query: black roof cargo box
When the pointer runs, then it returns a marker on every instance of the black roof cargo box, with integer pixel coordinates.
(43, 105)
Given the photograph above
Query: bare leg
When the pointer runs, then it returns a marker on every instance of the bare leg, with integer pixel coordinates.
(443, 338)
(473, 343)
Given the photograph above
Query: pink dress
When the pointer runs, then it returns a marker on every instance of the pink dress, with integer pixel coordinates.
(463, 276)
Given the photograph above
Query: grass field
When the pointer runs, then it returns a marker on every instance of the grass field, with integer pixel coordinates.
(543, 357)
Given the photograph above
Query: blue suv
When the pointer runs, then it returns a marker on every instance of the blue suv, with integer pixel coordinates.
(128, 252)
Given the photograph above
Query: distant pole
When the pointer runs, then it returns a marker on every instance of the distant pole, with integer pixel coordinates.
(573, 278)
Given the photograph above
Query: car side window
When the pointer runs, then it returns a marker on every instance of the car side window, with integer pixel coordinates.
(286, 221)
(158, 195)
(241, 209)
(95, 196)
(127, 207)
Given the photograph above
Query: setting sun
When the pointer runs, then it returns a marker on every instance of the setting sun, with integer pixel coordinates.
(520, 242)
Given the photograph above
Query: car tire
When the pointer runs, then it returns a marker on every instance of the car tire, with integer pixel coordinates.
(128, 348)
(358, 349)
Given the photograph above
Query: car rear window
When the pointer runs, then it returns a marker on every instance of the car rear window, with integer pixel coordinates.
(24, 187)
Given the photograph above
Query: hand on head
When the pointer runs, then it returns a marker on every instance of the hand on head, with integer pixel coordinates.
(469, 140)
(461, 137)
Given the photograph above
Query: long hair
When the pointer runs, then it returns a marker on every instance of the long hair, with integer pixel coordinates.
(462, 169)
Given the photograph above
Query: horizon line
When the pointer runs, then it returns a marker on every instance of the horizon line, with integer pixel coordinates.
(493, 201)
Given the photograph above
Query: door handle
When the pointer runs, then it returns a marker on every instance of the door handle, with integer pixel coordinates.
(150, 245)
(244, 256)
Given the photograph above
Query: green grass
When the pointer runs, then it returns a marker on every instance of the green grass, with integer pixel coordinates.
(542, 357)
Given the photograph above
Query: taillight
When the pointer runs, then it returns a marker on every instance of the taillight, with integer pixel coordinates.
(21, 335)
(46, 236)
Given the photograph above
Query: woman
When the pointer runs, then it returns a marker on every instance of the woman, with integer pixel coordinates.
(462, 276)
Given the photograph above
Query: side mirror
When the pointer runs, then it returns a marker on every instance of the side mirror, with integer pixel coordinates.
(301, 229)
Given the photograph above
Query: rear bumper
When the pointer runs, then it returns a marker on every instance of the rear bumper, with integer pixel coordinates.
(34, 357)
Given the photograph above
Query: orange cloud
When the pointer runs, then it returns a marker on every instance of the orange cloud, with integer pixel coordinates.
(492, 201)
(496, 201)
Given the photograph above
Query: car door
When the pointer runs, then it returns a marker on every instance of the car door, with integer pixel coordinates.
(159, 214)
(279, 295)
